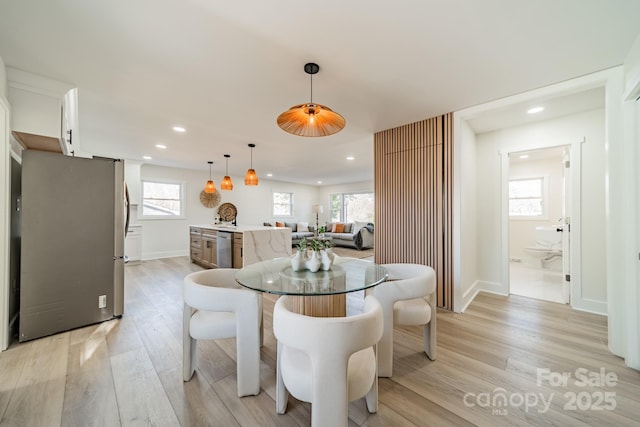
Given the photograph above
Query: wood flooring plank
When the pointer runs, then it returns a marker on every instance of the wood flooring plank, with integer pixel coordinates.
(414, 409)
(195, 402)
(251, 410)
(39, 392)
(12, 362)
(123, 337)
(164, 350)
(141, 397)
(90, 397)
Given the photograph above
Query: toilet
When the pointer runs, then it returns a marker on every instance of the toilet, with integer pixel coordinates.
(548, 244)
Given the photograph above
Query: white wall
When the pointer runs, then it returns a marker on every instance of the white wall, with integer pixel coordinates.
(467, 225)
(522, 231)
(591, 126)
(632, 65)
(623, 222)
(5, 205)
(169, 237)
(4, 88)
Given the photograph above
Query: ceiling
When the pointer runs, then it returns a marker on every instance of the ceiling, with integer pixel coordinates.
(226, 70)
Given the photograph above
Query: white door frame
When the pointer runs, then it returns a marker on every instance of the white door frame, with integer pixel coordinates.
(5, 206)
(574, 257)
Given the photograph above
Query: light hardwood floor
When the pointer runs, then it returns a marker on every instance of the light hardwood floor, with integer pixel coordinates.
(129, 371)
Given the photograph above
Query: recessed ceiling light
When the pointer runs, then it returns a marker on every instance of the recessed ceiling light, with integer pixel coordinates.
(179, 129)
(524, 156)
(319, 182)
(350, 158)
(161, 146)
(146, 157)
(535, 110)
(269, 174)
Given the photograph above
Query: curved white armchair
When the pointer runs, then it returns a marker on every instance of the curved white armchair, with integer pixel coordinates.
(327, 361)
(408, 297)
(215, 307)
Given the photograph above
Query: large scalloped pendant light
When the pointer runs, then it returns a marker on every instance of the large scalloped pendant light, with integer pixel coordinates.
(311, 119)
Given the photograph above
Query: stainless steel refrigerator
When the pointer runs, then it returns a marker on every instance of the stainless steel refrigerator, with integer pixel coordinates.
(74, 217)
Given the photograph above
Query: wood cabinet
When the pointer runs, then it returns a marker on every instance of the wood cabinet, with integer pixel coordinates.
(209, 248)
(237, 250)
(195, 245)
(203, 246)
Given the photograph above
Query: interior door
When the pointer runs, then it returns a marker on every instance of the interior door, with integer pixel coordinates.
(566, 229)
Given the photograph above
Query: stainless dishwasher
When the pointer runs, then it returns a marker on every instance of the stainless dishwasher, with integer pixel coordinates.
(224, 252)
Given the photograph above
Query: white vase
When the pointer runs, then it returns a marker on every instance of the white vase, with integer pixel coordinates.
(326, 259)
(313, 263)
(298, 261)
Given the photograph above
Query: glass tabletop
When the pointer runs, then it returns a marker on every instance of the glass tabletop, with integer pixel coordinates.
(346, 275)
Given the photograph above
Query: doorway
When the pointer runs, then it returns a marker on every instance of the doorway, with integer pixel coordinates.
(541, 220)
(539, 223)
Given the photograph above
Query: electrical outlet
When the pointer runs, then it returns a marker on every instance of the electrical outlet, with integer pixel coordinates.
(102, 301)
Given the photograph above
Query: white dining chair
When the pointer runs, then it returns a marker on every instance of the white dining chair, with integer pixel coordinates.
(408, 297)
(216, 307)
(327, 361)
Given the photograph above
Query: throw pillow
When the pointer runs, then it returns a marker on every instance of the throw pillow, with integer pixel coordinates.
(338, 228)
(303, 226)
(267, 224)
(347, 227)
(329, 227)
(291, 225)
(279, 224)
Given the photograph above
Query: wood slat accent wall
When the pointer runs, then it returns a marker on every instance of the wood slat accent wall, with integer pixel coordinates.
(413, 188)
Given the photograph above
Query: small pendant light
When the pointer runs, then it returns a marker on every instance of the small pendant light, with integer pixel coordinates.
(251, 178)
(226, 183)
(210, 187)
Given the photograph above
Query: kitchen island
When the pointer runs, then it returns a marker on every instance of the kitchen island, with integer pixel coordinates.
(219, 245)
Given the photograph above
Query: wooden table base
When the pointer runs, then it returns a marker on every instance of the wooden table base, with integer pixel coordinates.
(320, 306)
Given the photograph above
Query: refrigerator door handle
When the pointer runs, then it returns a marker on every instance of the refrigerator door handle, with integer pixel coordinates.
(126, 204)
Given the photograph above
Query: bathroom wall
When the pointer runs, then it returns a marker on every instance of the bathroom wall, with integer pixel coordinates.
(522, 231)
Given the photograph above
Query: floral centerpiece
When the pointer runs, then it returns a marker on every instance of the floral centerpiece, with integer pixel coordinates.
(313, 254)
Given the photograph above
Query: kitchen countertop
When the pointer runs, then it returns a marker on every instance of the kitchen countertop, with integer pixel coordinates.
(233, 228)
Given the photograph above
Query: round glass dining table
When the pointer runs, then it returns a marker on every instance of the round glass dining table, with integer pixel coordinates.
(320, 294)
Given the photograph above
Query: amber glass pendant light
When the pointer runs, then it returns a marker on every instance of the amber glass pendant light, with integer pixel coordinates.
(226, 183)
(251, 178)
(210, 187)
(311, 119)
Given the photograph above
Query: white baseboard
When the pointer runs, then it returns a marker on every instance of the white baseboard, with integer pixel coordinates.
(590, 306)
(469, 296)
(163, 254)
(480, 285)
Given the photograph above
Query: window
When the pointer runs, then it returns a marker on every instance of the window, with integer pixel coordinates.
(351, 207)
(162, 199)
(282, 204)
(527, 198)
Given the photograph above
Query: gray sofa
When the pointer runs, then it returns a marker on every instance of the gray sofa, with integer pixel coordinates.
(358, 235)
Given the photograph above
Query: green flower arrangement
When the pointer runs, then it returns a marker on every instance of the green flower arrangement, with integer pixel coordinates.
(315, 244)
